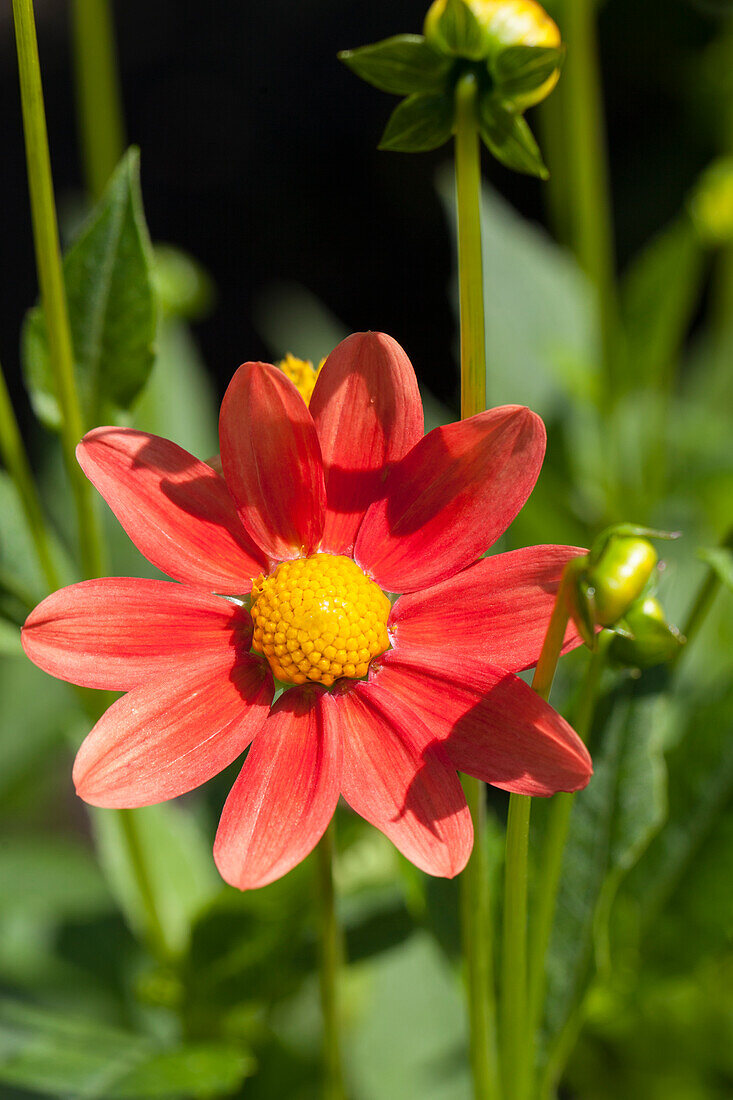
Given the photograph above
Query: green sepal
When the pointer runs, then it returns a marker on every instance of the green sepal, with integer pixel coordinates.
(419, 123)
(519, 70)
(505, 134)
(459, 32)
(402, 65)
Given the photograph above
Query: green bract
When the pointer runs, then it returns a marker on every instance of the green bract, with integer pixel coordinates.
(426, 69)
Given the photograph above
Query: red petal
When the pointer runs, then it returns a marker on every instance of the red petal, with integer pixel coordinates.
(497, 610)
(451, 497)
(118, 632)
(175, 509)
(491, 724)
(272, 461)
(368, 412)
(395, 778)
(171, 735)
(285, 795)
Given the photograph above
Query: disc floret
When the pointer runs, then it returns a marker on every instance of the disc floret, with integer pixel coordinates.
(319, 618)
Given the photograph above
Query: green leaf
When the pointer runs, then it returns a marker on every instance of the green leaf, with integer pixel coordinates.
(612, 822)
(58, 1055)
(112, 308)
(413, 1014)
(720, 559)
(419, 123)
(659, 295)
(459, 32)
(521, 69)
(506, 134)
(402, 65)
(683, 887)
(177, 866)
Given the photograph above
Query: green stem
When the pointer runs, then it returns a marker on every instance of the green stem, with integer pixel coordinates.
(470, 266)
(550, 864)
(331, 957)
(17, 464)
(580, 167)
(514, 1035)
(475, 904)
(98, 95)
(476, 933)
(51, 280)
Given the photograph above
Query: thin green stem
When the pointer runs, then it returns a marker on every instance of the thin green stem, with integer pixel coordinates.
(331, 959)
(514, 1033)
(98, 94)
(476, 922)
(589, 202)
(16, 462)
(702, 603)
(51, 280)
(574, 130)
(155, 932)
(550, 864)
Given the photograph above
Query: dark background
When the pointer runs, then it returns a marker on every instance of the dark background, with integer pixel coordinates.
(259, 157)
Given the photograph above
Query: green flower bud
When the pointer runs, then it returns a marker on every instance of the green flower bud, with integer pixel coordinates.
(618, 576)
(648, 639)
(504, 25)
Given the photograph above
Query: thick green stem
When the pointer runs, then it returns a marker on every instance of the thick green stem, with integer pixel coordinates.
(331, 958)
(475, 903)
(51, 280)
(550, 864)
(516, 1068)
(155, 933)
(476, 932)
(17, 464)
(98, 95)
(470, 266)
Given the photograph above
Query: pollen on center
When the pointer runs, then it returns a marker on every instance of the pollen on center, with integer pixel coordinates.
(319, 618)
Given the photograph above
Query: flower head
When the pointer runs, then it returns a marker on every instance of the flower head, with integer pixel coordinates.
(322, 514)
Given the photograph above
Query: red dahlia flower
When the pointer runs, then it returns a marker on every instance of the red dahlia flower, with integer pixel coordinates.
(320, 512)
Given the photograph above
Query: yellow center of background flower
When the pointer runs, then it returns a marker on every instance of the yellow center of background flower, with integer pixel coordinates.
(302, 374)
(319, 618)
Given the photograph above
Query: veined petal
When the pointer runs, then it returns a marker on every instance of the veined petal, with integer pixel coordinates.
(285, 795)
(497, 610)
(174, 733)
(119, 632)
(272, 461)
(450, 498)
(368, 412)
(491, 724)
(397, 780)
(175, 509)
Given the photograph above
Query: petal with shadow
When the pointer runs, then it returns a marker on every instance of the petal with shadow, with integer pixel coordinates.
(368, 413)
(285, 795)
(176, 509)
(450, 498)
(397, 780)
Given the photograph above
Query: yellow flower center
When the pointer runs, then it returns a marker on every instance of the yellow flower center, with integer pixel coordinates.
(302, 374)
(319, 618)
